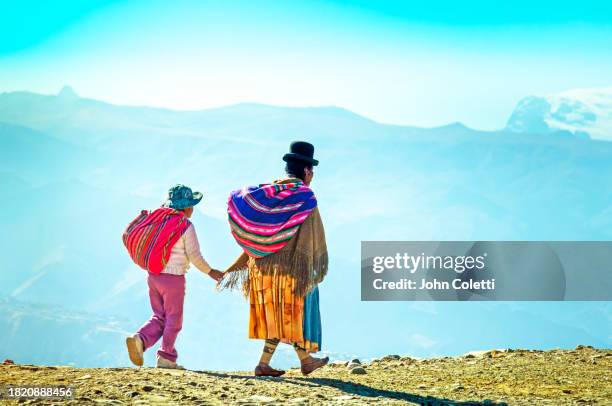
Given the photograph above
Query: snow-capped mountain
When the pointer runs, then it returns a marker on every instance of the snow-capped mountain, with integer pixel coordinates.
(579, 112)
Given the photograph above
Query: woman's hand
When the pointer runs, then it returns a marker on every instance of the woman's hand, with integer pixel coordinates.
(216, 274)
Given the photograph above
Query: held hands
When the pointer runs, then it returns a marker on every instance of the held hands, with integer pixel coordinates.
(216, 275)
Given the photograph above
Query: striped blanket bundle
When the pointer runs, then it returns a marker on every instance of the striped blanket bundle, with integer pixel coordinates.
(264, 218)
(150, 237)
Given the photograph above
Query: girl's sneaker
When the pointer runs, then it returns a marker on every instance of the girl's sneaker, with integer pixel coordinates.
(135, 349)
(164, 363)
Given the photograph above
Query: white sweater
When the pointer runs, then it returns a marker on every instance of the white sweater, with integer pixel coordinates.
(185, 251)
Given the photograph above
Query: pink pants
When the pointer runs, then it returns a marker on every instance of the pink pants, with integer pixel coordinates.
(167, 294)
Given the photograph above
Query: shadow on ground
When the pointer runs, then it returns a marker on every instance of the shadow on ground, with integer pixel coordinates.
(357, 389)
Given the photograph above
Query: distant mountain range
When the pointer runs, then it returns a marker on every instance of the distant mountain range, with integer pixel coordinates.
(580, 112)
(75, 171)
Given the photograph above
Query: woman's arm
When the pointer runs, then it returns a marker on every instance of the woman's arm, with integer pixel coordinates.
(240, 263)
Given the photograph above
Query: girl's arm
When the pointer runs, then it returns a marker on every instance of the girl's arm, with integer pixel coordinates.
(192, 247)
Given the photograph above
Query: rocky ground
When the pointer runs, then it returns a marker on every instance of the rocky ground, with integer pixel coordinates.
(514, 377)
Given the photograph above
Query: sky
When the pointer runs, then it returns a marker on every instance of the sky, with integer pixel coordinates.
(410, 63)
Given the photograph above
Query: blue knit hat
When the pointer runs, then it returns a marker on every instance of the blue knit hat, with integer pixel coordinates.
(181, 197)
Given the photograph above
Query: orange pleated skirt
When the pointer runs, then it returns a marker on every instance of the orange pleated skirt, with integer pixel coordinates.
(275, 311)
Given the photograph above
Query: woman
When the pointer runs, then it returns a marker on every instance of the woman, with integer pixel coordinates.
(170, 226)
(285, 258)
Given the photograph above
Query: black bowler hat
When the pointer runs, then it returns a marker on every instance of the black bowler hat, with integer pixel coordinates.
(301, 151)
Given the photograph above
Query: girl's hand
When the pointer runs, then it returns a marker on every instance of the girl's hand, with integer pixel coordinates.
(216, 274)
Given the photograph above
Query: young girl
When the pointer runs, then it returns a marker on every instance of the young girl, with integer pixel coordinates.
(167, 289)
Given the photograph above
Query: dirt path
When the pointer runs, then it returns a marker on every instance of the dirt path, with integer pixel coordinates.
(559, 377)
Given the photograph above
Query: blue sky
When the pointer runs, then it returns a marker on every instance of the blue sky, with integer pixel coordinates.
(410, 63)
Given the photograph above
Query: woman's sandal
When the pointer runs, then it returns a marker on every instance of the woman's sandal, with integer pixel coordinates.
(313, 364)
(267, 370)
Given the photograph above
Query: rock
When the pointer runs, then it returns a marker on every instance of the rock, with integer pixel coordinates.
(298, 400)
(260, 399)
(31, 367)
(477, 354)
(83, 377)
(496, 354)
(584, 347)
(355, 361)
(8, 362)
(358, 371)
(343, 397)
(390, 358)
(147, 388)
(353, 364)
(456, 387)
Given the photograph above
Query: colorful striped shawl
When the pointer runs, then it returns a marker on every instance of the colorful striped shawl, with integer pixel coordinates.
(264, 218)
(150, 237)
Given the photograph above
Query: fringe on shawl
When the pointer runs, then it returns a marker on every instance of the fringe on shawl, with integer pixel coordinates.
(307, 271)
